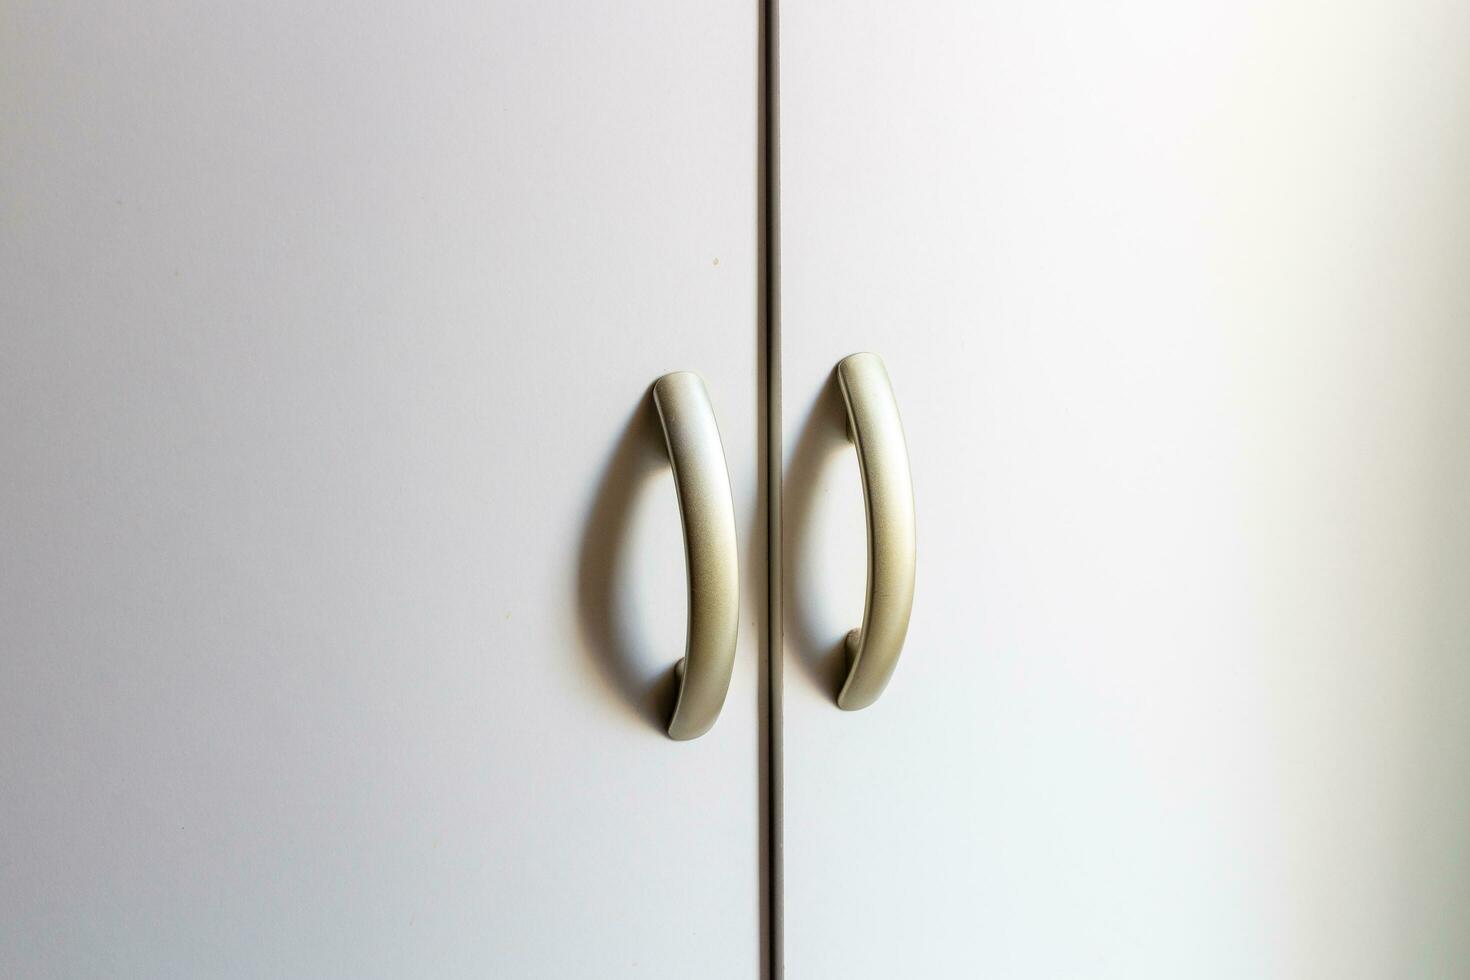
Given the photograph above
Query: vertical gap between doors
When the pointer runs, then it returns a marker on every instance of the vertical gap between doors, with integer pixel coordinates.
(769, 186)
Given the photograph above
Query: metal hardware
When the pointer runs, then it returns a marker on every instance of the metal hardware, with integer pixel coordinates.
(708, 515)
(875, 430)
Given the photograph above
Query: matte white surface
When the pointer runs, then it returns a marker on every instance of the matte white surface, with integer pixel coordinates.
(333, 565)
(1175, 303)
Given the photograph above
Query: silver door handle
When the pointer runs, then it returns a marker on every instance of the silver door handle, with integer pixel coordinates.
(875, 430)
(708, 515)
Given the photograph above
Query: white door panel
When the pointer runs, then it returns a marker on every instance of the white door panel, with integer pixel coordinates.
(1173, 299)
(339, 553)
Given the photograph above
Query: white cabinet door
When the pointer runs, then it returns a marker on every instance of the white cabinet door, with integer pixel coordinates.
(339, 551)
(1174, 299)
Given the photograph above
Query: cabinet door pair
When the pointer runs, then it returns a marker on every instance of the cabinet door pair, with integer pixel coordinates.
(343, 581)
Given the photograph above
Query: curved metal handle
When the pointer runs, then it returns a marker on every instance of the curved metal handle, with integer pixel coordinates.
(888, 495)
(708, 515)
